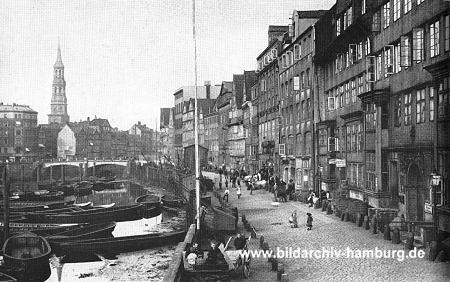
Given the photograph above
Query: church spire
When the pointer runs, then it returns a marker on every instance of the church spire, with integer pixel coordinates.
(58, 113)
(59, 63)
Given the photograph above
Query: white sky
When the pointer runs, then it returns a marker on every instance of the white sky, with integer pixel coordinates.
(124, 59)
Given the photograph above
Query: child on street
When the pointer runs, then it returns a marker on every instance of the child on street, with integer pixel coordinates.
(227, 192)
(309, 221)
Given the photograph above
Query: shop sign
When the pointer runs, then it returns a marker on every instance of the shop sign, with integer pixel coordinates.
(428, 208)
(356, 195)
(338, 162)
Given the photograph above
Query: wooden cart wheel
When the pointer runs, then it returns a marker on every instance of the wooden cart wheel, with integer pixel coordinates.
(245, 270)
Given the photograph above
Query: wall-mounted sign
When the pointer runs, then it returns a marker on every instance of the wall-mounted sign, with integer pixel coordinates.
(338, 162)
(356, 195)
(428, 208)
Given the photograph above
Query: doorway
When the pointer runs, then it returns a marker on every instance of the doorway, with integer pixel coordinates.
(414, 194)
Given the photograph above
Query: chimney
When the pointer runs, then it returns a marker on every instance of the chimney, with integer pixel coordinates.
(88, 119)
(208, 89)
(139, 123)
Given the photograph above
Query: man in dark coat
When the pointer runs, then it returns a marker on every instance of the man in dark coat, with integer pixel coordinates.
(215, 256)
(239, 242)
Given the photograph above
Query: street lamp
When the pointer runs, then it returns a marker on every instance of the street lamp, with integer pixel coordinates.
(435, 181)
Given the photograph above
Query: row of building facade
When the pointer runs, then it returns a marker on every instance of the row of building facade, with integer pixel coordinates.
(23, 139)
(353, 100)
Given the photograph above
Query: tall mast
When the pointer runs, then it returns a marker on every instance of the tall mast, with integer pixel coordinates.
(197, 167)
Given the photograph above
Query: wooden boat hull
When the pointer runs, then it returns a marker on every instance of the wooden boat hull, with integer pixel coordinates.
(40, 229)
(120, 244)
(7, 278)
(172, 202)
(37, 206)
(100, 185)
(149, 201)
(83, 232)
(117, 214)
(29, 252)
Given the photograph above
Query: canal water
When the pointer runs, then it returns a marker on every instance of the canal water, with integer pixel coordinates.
(123, 196)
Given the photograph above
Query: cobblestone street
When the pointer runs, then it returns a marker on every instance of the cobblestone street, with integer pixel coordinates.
(328, 232)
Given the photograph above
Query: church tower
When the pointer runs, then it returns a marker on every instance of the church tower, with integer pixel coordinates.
(59, 100)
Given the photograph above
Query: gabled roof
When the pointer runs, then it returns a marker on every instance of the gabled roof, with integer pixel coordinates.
(238, 89)
(250, 78)
(311, 14)
(100, 122)
(278, 28)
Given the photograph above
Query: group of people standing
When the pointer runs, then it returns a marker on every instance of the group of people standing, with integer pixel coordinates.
(234, 177)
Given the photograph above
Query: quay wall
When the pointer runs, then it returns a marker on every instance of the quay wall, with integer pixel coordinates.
(175, 270)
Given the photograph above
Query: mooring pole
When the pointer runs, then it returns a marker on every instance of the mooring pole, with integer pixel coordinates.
(6, 187)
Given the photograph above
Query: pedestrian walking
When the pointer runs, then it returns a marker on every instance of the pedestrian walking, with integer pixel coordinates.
(309, 221)
(226, 183)
(227, 192)
(293, 220)
(238, 192)
(220, 184)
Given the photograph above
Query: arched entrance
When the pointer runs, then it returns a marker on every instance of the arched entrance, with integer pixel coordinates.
(414, 193)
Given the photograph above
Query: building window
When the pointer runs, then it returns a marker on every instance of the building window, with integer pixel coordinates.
(341, 96)
(367, 46)
(297, 52)
(431, 103)
(370, 169)
(444, 101)
(291, 58)
(338, 26)
(407, 108)
(349, 138)
(420, 105)
(418, 45)
(379, 67)
(359, 132)
(363, 7)
(370, 68)
(447, 33)
(407, 6)
(405, 47)
(371, 116)
(388, 60)
(302, 80)
(353, 53)
(347, 93)
(361, 84)
(331, 103)
(386, 14)
(349, 16)
(296, 83)
(359, 51)
(397, 6)
(397, 67)
(434, 39)
(376, 22)
(274, 53)
(353, 85)
(308, 79)
(398, 111)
